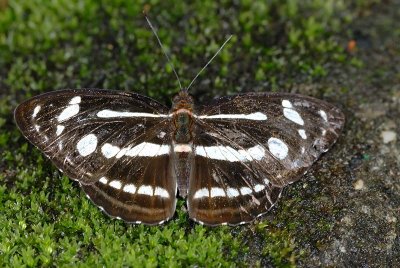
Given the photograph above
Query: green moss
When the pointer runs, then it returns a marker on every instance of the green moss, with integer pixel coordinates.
(45, 220)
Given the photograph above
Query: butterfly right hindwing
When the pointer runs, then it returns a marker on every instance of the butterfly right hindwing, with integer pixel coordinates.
(224, 187)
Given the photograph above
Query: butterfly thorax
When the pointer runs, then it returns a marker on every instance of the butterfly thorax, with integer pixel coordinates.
(182, 118)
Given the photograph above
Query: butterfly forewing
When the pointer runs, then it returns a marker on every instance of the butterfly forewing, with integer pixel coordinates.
(115, 144)
(288, 132)
(73, 128)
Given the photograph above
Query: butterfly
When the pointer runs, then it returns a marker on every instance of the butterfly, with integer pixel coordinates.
(132, 155)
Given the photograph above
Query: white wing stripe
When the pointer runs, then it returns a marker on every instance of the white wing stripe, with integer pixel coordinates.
(229, 154)
(112, 114)
(203, 192)
(252, 116)
(145, 149)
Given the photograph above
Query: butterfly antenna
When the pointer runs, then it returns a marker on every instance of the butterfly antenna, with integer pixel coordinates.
(163, 49)
(205, 66)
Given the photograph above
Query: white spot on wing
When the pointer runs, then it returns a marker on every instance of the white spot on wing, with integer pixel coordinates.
(87, 145)
(287, 104)
(277, 148)
(75, 100)
(103, 180)
(266, 181)
(245, 190)
(252, 116)
(259, 188)
(60, 129)
(111, 114)
(129, 188)
(161, 192)
(36, 111)
(37, 127)
(115, 184)
(161, 135)
(232, 192)
(109, 150)
(145, 189)
(68, 112)
(302, 134)
(292, 115)
(216, 191)
(257, 152)
(323, 115)
(203, 192)
(229, 154)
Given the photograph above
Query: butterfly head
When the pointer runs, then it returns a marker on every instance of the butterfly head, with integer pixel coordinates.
(182, 100)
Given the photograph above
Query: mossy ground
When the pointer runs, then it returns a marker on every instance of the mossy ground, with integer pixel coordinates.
(292, 46)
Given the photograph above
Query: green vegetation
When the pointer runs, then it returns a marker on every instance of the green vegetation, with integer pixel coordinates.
(45, 219)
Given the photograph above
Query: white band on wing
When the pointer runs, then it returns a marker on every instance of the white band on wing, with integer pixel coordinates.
(229, 154)
(112, 114)
(252, 116)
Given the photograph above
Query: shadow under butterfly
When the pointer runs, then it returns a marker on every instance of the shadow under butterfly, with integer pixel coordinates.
(133, 155)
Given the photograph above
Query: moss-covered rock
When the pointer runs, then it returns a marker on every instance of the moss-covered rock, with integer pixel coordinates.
(344, 212)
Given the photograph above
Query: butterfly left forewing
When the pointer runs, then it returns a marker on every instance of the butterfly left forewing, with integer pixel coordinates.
(79, 129)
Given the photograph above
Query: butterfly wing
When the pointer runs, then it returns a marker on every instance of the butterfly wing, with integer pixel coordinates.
(249, 146)
(112, 143)
(137, 189)
(222, 188)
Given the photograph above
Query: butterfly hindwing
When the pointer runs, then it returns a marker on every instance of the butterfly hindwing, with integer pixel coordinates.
(224, 187)
(114, 143)
(137, 189)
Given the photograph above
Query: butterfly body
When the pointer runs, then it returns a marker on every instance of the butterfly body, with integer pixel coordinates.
(182, 145)
(132, 155)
